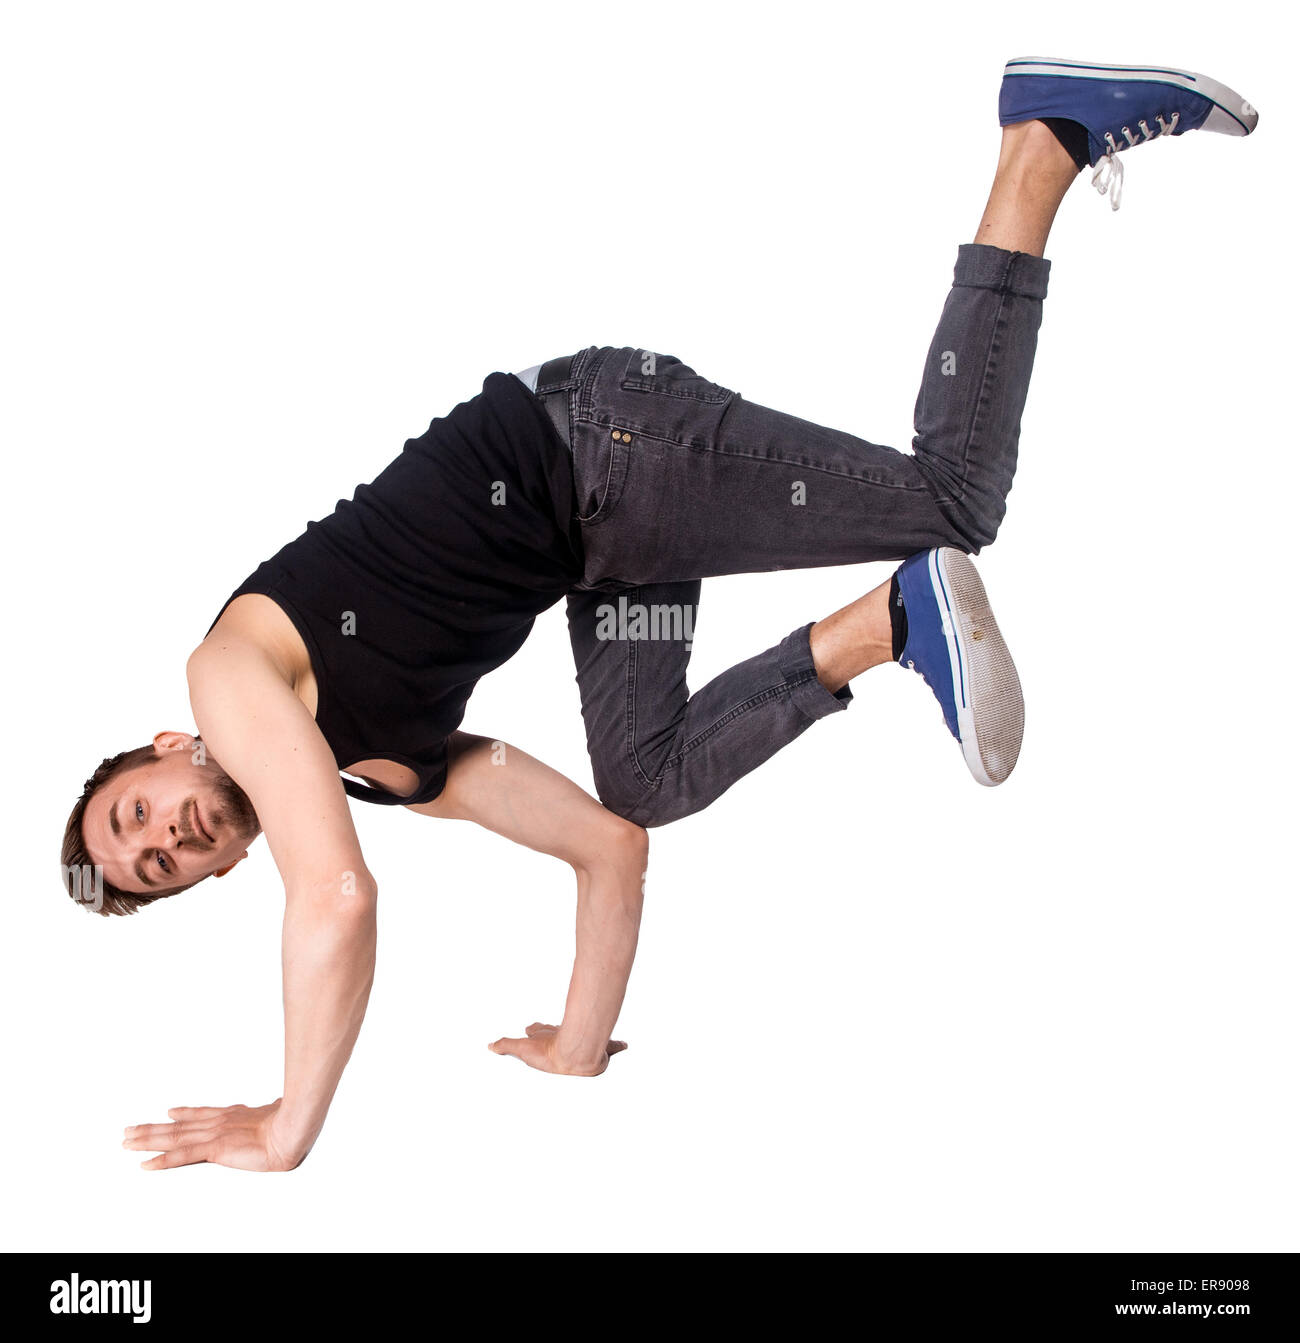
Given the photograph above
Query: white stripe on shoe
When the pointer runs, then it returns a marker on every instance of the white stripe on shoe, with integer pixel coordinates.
(1231, 115)
(986, 688)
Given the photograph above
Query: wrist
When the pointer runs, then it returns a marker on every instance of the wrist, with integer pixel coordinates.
(288, 1142)
(576, 1058)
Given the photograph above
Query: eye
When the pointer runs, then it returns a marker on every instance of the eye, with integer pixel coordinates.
(139, 811)
(162, 862)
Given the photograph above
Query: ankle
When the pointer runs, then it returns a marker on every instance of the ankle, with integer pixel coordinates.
(1032, 148)
(1026, 138)
(853, 639)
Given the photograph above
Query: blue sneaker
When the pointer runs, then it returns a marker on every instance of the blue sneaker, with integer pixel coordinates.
(1119, 106)
(954, 643)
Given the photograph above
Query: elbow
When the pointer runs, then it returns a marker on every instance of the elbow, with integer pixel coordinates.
(352, 899)
(361, 904)
(357, 900)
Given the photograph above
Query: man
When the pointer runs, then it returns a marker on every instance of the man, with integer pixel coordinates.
(616, 478)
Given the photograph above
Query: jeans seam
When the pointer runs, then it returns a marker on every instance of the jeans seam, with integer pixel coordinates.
(759, 697)
(632, 385)
(582, 405)
(981, 400)
(638, 772)
(788, 462)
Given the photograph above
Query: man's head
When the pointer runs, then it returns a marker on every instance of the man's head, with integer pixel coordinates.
(155, 820)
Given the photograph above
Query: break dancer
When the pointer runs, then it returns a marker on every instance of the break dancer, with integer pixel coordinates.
(616, 478)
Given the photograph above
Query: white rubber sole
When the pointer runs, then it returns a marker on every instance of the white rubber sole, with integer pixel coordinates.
(986, 688)
(1234, 115)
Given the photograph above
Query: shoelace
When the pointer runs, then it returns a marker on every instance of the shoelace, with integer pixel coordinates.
(1108, 175)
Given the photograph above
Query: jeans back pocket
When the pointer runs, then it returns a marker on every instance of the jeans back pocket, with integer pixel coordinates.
(666, 375)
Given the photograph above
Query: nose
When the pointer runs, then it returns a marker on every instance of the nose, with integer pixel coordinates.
(168, 835)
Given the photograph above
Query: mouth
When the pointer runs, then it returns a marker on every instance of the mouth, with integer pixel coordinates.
(198, 824)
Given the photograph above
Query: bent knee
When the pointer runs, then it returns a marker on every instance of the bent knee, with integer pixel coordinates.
(617, 843)
(971, 515)
(972, 528)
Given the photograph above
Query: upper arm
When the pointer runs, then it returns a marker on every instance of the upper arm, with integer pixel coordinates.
(262, 735)
(508, 791)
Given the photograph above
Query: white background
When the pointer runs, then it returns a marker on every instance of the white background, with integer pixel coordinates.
(250, 249)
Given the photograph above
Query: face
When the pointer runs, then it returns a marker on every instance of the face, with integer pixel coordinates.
(170, 821)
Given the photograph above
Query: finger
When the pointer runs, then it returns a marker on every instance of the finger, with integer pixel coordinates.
(177, 1126)
(616, 1046)
(539, 1028)
(507, 1046)
(183, 1113)
(167, 1141)
(150, 1130)
(180, 1156)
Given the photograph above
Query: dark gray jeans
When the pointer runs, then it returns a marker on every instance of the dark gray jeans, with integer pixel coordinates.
(679, 479)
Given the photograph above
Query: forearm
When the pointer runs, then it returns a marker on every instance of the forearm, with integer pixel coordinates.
(329, 966)
(505, 790)
(610, 897)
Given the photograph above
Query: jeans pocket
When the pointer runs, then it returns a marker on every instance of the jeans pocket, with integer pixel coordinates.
(600, 460)
(666, 375)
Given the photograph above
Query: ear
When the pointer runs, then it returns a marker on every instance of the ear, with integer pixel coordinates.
(221, 871)
(173, 741)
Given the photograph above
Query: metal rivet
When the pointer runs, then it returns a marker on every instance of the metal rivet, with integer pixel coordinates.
(627, 438)
(615, 434)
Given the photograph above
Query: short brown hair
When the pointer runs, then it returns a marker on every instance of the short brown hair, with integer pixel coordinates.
(76, 865)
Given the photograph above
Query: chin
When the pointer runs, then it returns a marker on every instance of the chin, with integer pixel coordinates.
(231, 808)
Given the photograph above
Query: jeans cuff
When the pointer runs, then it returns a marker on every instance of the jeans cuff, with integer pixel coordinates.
(807, 694)
(983, 267)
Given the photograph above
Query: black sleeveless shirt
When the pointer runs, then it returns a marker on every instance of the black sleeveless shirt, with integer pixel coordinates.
(428, 578)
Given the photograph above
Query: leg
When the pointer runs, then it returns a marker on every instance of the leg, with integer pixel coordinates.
(1034, 171)
(976, 376)
(704, 482)
(679, 478)
(659, 753)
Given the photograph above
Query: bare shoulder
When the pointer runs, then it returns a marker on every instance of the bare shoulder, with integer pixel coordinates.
(265, 738)
(254, 622)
